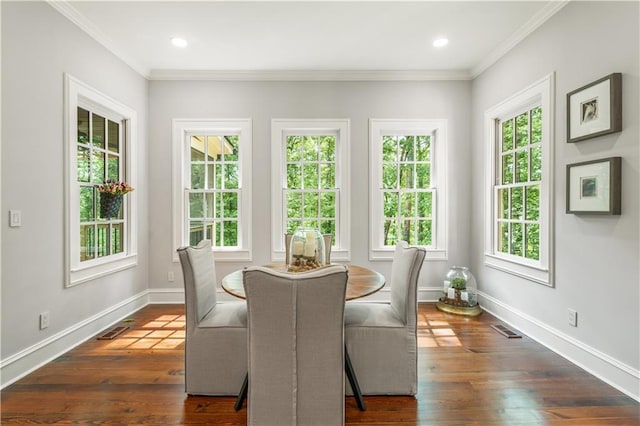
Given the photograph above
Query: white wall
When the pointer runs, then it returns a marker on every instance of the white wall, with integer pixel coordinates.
(263, 101)
(596, 256)
(38, 46)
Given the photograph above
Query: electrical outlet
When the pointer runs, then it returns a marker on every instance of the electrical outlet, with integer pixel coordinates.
(44, 320)
(15, 218)
(573, 318)
(170, 277)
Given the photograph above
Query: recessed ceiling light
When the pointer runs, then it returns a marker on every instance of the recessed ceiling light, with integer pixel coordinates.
(179, 42)
(440, 42)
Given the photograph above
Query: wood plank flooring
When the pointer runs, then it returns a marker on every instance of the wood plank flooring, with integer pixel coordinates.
(469, 374)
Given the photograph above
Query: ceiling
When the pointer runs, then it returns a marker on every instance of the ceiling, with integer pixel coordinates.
(322, 39)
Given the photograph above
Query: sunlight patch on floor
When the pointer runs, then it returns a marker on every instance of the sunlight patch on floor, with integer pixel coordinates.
(164, 332)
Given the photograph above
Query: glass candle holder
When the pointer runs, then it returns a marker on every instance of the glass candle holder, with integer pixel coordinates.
(307, 250)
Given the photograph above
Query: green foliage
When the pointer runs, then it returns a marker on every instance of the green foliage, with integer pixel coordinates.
(459, 283)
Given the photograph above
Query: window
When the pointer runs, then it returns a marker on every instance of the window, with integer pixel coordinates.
(100, 143)
(519, 182)
(408, 192)
(212, 198)
(309, 178)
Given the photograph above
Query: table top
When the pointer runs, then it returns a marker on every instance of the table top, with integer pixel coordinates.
(362, 281)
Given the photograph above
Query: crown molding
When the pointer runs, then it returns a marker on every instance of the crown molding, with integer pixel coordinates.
(72, 14)
(309, 75)
(550, 9)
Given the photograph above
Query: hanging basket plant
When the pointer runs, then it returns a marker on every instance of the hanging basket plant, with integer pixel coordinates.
(111, 194)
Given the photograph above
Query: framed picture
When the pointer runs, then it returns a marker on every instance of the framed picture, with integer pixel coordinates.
(594, 186)
(595, 109)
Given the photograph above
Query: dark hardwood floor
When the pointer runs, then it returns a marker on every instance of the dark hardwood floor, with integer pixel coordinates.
(469, 375)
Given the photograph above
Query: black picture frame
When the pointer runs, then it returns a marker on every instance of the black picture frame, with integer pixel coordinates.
(595, 109)
(595, 187)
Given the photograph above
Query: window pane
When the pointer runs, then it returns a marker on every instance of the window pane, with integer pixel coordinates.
(231, 176)
(522, 130)
(328, 204)
(516, 239)
(311, 176)
(408, 204)
(294, 148)
(536, 163)
(516, 203)
(114, 136)
(423, 147)
(292, 225)
(117, 238)
(83, 164)
(210, 202)
(424, 204)
(210, 231)
(294, 205)
(406, 176)
(327, 176)
(211, 176)
(218, 176)
(503, 203)
(406, 148)
(311, 205)
(97, 166)
(214, 148)
(103, 240)
(197, 148)
(197, 176)
(310, 148)
(532, 202)
(196, 201)
(389, 176)
(389, 148)
(83, 126)
(231, 148)
(507, 135)
(390, 206)
(114, 168)
(310, 223)
(87, 242)
(522, 166)
(327, 148)
(294, 177)
(533, 241)
(230, 203)
(87, 211)
(423, 175)
(230, 233)
(536, 125)
(390, 232)
(507, 169)
(98, 131)
(328, 227)
(408, 231)
(196, 232)
(503, 237)
(424, 232)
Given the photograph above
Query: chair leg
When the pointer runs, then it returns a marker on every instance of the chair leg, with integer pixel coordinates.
(353, 381)
(243, 393)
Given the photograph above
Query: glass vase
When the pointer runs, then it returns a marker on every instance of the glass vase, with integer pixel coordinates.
(307, 250)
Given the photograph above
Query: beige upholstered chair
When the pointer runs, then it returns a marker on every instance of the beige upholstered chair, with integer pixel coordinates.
(296, 346)
(381, 337)
(216, 335)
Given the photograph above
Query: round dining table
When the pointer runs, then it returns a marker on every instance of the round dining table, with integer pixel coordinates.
(361, 282)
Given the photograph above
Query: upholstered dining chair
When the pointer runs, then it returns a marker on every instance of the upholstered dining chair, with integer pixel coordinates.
(296, 346)
(381, 338)
(216, 333)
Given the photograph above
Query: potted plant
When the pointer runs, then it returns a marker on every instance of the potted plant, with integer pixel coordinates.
(111, 194)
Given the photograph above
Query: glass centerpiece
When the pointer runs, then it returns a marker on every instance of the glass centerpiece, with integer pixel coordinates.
(307, 250)
(460, 293)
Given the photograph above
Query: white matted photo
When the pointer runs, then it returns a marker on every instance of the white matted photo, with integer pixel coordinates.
(594, 186)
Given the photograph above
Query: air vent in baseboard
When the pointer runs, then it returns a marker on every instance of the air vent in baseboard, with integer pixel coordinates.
(505, 331)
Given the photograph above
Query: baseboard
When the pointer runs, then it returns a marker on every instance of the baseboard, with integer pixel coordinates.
(606, 368)
(166, 295)
(27, 360)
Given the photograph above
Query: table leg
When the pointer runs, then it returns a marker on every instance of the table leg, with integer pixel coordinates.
(243, 393)
(353, 381)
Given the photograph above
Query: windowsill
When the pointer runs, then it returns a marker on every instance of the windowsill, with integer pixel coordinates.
(84, 274)
(532, 273)
(383, 255)
(225, 256)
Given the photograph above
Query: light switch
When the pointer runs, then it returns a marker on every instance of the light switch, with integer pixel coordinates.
(15, 218)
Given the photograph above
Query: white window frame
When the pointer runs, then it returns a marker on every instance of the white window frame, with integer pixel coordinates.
(541, 271)
(182, 128)
(78, 94)
(437, 129)
(280, 129)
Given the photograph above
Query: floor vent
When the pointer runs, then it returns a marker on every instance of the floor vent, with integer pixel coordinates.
(505, 331)
(112, 333)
